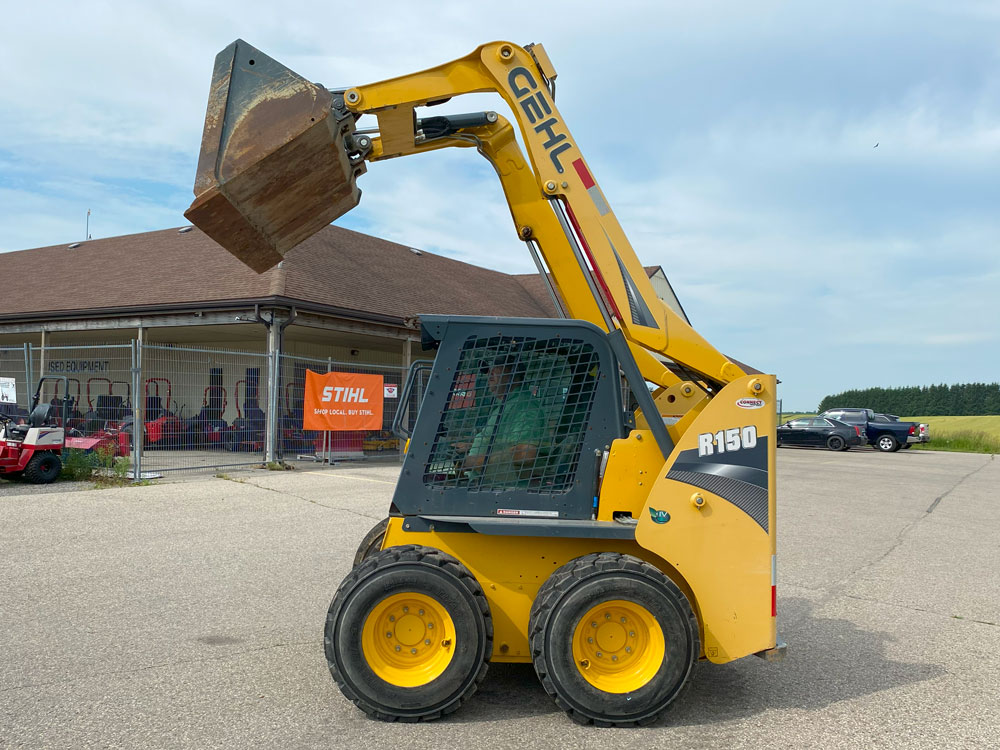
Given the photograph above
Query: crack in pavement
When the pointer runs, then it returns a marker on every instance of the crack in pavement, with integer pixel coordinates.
(137, 670)
(911, 608)
(304, 499)
(837, 586)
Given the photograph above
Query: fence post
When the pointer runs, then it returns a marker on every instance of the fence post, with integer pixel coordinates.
(43, 354)
(138, 428)
(327, 437)
(27, 376)
(407, 357)
(271, 416)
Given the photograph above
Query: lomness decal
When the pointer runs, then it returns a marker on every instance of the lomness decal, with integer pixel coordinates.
(342, 401)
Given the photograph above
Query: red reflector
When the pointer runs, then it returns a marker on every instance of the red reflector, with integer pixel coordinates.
(581, 169)
(774, 601)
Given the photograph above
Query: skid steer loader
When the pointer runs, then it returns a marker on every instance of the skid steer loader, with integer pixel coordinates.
(594, 494)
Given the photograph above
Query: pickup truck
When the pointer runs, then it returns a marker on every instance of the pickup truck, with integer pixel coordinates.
(888, 436)
(923, 431)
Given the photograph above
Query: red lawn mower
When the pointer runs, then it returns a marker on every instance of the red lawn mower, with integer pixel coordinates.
(161, 428)
(34, 450)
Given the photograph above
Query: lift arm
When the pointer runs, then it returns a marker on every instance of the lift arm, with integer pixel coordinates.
(269, 177)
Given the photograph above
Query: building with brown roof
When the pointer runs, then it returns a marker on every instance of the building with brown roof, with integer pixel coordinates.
(341, 300)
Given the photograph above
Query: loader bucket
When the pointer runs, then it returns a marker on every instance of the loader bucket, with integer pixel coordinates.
(273, 168)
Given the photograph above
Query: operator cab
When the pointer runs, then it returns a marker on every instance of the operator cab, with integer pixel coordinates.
(514, 419)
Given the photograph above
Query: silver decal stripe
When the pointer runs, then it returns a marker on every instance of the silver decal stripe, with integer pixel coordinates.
(602, 205)
(749, 498)
(641, 316)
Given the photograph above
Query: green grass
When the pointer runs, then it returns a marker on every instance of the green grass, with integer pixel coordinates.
(963, 434)
(942, 425)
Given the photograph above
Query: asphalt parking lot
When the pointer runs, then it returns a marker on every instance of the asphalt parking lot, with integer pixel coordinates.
(190, 613)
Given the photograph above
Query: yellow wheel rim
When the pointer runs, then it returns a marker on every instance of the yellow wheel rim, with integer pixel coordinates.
(618, 646)
(408, 639)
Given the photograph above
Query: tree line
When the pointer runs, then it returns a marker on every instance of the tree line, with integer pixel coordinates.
(961, 399)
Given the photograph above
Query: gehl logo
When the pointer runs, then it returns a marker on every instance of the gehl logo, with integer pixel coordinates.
(344, 395)
(532, 100)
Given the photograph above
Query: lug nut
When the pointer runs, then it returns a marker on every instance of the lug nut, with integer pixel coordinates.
(631, 634)
(406, 609)
(628, 649)
(392, 618)
(397, 648)
(427, 641)
(388, 635)
(413, 651)
(590, 640)
(623, 620)
(599, 654)
(421, 613)
(430, 626)
(614, 657)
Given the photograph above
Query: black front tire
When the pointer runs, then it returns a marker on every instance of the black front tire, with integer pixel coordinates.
(43, 468)
(421, 572)
(372, 542)
(567, 597)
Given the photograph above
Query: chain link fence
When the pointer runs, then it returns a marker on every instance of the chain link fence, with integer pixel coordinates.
(171, 408)
(295, 444)
(15, 381)
(203, 407)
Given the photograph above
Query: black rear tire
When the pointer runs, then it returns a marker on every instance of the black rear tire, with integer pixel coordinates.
(372, 542)
(836, 443)
(564, 604)
(420, 573)
(887, 444)
(43, 468)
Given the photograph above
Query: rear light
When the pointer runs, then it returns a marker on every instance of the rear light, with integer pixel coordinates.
(913, 429)
(857, 430)
(774, 586)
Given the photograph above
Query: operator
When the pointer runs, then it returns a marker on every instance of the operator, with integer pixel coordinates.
(509, 442)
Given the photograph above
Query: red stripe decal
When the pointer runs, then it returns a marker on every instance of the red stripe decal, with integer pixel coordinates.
(608, 299)
(581, 169)
(774, 601)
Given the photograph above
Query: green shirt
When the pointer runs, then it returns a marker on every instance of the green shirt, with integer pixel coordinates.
(518, 420)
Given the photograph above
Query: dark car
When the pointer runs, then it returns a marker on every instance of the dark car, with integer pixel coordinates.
(820, 432)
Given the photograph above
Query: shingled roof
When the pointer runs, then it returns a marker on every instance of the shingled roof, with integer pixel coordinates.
(356, 274)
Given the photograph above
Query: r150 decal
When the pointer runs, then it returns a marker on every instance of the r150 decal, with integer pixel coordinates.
(724, 441)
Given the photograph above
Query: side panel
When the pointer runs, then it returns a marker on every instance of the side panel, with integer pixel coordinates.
(42, 437)
(511, 569)
(711, 514)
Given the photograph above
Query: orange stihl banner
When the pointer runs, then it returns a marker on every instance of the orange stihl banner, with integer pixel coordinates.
(342, 401)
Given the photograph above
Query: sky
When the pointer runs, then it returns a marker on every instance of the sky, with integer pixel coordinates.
(735, 142)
